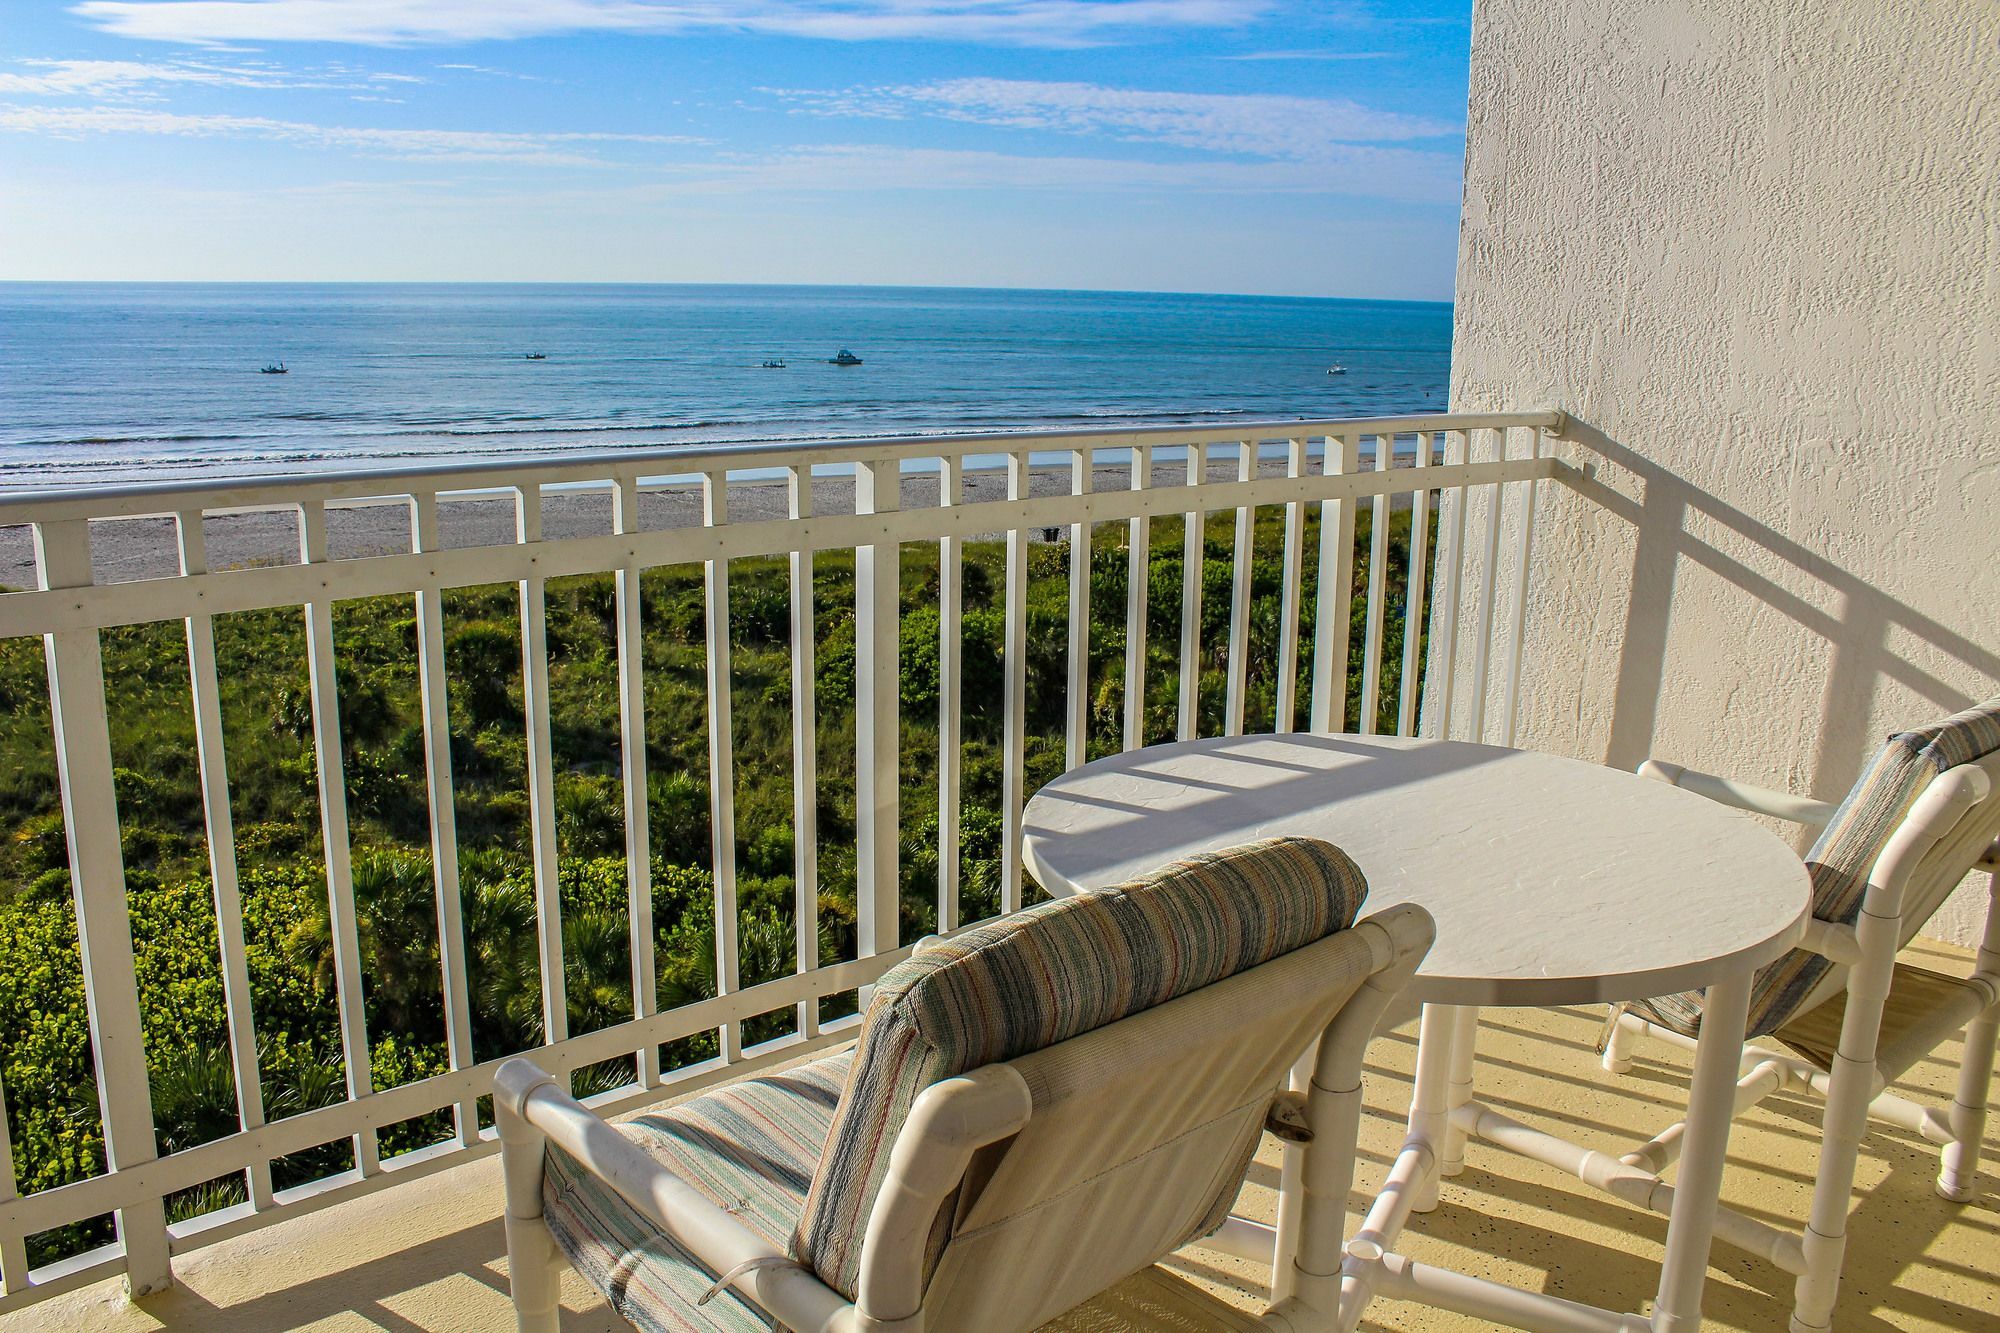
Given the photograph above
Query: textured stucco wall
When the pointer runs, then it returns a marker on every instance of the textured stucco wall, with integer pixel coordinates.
(1754, 248)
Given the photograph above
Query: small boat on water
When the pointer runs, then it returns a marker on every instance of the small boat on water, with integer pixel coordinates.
(1336, 370)
(845, 358)
(275, 368)
(774, 365)
(534, 356)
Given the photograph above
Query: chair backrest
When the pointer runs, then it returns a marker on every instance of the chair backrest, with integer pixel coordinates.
(1844, 858)
(1030, 981)
(1140, 1134)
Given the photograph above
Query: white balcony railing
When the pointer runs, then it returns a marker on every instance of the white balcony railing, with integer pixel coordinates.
(1307, 469)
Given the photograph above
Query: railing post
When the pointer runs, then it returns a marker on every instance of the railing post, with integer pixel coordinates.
(631, 630)
(1336, 592)
(951, 671)
(1413, 602)
(331, 769)
(13, 1245)
(1291, 593)
(220, 827)
(1441, 676)
(541, 773)
(1194, 562)
(1138, 573)
(877, 689)
(1516, 639)
(1378, 589)
(1238, 677)
(1077, 699)
(721, 757)
(103, 918)
(805, 751)
(1489, 588)
(443, 816)
(1014, 694)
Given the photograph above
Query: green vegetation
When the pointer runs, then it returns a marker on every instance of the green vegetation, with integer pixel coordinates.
(44, 1039)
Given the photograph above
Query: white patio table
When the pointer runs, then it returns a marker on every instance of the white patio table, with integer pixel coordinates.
(1552, 881)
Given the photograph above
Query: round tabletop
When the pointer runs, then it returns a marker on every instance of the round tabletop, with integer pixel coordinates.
(1552, 881)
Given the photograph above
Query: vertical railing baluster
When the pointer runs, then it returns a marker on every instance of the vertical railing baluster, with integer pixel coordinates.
(541, 760)
(1014, 693)
(1510, 701)
(877, 723)
(331, 769)
(1443, 671)
(13, 1245)
(1378, 591)
(1238, 678)
(1138, 573)
(1193, 565)
(1489, 587)
(721, 758)
(1290, 593)
(103, 917)
(629, 615)
(1413, 594)
(219, 824)
(1076, 721)
(1336, 592)
(805, 750)
(951, 670)
(443, 813)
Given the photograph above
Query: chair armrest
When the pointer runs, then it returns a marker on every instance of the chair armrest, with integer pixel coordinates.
(1742, 795)
(690, 1218)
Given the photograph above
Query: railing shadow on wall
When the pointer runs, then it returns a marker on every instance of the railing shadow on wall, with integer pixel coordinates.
(1857, 629)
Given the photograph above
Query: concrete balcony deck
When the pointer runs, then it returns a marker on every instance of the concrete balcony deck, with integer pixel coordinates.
(429, 1256)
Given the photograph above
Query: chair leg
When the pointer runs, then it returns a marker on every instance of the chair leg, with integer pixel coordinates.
(534, 1263)
(1959, 1168)
(1618, 1042)
(1844, 1123)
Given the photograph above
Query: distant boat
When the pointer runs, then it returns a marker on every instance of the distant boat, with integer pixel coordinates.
(534, 356)
(774, 365)
(845, 358)
(275, 368)
(1336, 370)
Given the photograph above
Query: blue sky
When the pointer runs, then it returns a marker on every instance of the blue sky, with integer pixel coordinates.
(1191, 145)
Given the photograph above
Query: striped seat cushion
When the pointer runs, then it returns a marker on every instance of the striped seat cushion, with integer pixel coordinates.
(1843, 858)
(752, 1147)
(1047, 974)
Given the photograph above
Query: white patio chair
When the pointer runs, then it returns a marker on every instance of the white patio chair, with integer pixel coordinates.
(1922, 817)
(1035, 1110)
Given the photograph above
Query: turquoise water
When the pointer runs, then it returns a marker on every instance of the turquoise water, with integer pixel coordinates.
(123, 382)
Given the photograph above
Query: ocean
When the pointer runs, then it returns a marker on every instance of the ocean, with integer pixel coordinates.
(123, 382)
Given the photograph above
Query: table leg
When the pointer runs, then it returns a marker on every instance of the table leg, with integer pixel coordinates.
(1430, 1102)
(1464, 1046)
(1711, 1107)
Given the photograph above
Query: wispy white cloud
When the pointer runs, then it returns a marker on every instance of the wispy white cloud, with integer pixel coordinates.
(565, 149)
(1262, 125)
(1045, 23)
(136, 78)
(1316, 55)
(491, 72)
(1391, 173)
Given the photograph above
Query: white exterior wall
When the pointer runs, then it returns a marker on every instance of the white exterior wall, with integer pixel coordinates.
(1754, 248)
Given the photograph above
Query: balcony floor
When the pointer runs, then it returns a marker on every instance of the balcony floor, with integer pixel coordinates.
(429, 1255)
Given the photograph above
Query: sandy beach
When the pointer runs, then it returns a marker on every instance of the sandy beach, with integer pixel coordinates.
(129, 549)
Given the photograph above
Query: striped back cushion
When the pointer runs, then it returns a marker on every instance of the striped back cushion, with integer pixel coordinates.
(1041, 976)
(1841, 861)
